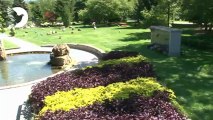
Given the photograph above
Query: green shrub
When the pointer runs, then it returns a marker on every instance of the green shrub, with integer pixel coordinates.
(153, 17)
(12, 32)
(129, 60)
(79, 97)
(2, 30)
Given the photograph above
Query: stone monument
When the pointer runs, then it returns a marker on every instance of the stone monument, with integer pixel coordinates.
(60, 56)
(3, 54)
(166, 40)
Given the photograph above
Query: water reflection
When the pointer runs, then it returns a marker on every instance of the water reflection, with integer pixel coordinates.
(24, 68)
(4, 71)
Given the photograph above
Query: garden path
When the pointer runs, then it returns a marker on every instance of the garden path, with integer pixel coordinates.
(12, 99)
(21, 43)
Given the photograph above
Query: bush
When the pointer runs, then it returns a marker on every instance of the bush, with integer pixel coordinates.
(12, 32)
(129, 60)
(2, 30)
(83, 97)
(136, 107)
(119, 54)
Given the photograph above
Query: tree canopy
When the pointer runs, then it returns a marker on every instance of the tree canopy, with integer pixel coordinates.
(147, 12)
(103, 11)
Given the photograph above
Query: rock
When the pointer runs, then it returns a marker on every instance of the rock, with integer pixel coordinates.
(60, 55)
(60, 50)
(79, 29)
(61, 60)
(3, 55)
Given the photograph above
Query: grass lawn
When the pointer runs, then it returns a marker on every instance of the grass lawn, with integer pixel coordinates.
(9, 45)
(190, 76)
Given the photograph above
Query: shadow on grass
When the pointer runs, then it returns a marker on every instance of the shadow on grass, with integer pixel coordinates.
(137, 36)
(198, 39)
(190, 76)
(129, 27)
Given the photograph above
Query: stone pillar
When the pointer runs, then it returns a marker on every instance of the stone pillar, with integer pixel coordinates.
(3, 55)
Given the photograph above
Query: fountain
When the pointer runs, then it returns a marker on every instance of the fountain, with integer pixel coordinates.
(60, 56)
(28, 67)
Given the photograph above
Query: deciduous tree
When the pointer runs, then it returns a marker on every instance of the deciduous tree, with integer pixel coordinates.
(65, 9)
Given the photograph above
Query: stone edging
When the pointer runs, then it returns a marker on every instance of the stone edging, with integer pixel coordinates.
(31, 82)
(88, 48)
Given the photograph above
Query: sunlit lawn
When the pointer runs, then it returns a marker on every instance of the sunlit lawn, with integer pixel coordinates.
(190, 76)
(104, 38)
(9, 45)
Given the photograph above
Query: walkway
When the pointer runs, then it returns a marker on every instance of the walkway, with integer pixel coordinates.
(24, 45)
(12, 99)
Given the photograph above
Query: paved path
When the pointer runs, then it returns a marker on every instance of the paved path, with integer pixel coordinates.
(21, 43)
(12, 99)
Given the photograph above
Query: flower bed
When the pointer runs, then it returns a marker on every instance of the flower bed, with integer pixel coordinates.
(136, 107)
(86, 93)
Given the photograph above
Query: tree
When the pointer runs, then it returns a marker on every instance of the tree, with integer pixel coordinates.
(47, 5)
(141, 5)
(199, 11)
(1, 20)
(11, 19)
(50, 16)
(65, 9)
(103, 11)
(162, 12)
(4, 4)
(35, 12)
(79, 5)
(22, 4)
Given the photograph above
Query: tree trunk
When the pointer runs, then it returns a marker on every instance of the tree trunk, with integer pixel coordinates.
(206, 26)
(210, 27)
(168, 13)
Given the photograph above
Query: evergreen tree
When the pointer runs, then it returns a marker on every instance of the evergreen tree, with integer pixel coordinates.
(11, 19)
(4, 4)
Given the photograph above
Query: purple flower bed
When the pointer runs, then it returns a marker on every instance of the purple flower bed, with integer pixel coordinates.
(156, 107)
(119, 54)
(90, 77)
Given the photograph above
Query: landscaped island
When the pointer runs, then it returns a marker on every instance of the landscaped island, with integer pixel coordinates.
(122, 86)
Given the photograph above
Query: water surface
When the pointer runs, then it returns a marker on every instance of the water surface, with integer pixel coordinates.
(25, 68)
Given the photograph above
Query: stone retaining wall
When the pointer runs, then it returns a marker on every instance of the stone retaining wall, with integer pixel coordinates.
(88, 48)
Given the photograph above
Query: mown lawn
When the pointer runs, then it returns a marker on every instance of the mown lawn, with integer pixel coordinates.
(9, 45)
(190, 75)
(105, 38)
